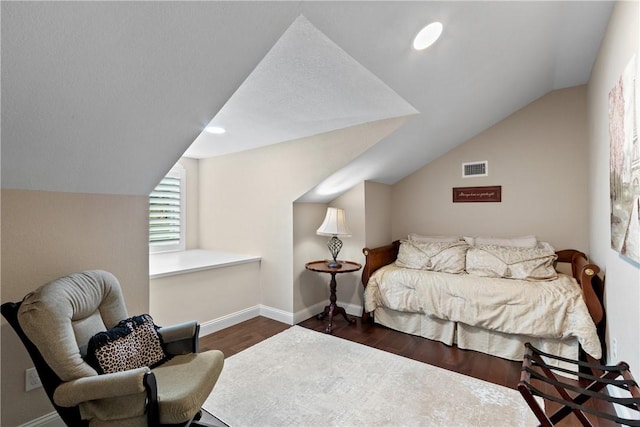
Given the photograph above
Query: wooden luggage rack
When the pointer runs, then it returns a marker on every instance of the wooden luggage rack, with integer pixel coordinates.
(536, 372)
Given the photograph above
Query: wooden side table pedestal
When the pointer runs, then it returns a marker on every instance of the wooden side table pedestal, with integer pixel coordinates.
(333, 309)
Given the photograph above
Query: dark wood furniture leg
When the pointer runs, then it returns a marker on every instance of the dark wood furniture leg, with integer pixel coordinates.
(333, 309)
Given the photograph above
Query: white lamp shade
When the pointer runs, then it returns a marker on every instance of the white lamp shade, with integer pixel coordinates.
(334, 224)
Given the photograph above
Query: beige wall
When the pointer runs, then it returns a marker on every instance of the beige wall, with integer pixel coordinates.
(192, 171)
(377, 214)
(204, 295)
(349, 287)
(622, 283)
(246, 199)
(46, 235)
(310, 289)
(538, 155)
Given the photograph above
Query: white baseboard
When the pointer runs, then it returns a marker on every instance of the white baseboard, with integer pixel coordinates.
(277, 314)
(223, 322)
(352, 309)
(232, 319)
(306, 313)
(51, 419)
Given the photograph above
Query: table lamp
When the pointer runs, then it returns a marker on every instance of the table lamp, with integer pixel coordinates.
(334, 225)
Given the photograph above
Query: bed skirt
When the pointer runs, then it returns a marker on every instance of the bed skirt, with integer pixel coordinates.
(506, 346)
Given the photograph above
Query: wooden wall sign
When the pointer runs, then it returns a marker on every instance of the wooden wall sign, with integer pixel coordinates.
(477, 194)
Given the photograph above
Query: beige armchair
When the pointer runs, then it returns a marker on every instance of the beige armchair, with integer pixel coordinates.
(57, 321)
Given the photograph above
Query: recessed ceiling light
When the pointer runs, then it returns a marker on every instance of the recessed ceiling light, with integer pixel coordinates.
(216, 130)
(427, 36)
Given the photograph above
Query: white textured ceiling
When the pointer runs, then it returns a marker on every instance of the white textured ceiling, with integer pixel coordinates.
(306, 85)
(104, 97)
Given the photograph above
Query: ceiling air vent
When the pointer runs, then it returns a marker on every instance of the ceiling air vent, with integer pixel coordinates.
(473, 169)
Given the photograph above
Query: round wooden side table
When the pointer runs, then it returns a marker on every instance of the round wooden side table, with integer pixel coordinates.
(333, 309)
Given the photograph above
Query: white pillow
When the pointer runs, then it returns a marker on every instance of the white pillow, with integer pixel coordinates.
(512, 262)
(418, 238)
(445, 257)
(514, 242)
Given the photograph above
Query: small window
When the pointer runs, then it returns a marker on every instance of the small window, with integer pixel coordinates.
(167, 213)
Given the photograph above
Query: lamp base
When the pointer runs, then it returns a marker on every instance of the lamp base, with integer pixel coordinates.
(334, 244)
(334, 264)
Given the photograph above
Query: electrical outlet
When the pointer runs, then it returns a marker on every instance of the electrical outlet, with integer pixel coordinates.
(31, 379)
(614, 350)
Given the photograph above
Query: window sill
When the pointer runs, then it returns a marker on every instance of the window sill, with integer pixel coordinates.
(174, 263)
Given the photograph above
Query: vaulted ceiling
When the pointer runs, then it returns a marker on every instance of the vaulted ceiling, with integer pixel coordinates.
(104, 97)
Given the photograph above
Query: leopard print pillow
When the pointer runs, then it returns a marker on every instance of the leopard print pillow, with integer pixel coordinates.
(132, 343)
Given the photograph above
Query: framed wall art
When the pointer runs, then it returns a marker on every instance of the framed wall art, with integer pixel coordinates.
(477, 194)
(624, 162)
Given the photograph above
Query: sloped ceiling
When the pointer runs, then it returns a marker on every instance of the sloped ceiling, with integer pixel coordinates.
(104, 97)
(306, 85)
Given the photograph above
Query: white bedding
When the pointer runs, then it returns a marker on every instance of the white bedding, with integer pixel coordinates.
(546, 309)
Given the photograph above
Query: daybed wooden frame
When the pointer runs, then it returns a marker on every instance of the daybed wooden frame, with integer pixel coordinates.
(584, 272)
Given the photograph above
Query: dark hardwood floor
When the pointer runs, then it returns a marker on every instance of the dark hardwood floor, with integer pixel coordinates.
(478, 365)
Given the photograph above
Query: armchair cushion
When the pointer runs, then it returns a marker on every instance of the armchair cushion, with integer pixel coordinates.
(132, 343)
(56, 316)
(185, 382)
(181, 338)
(73, 393)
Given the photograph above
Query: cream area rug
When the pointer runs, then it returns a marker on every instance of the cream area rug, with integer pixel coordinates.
(301, 377)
